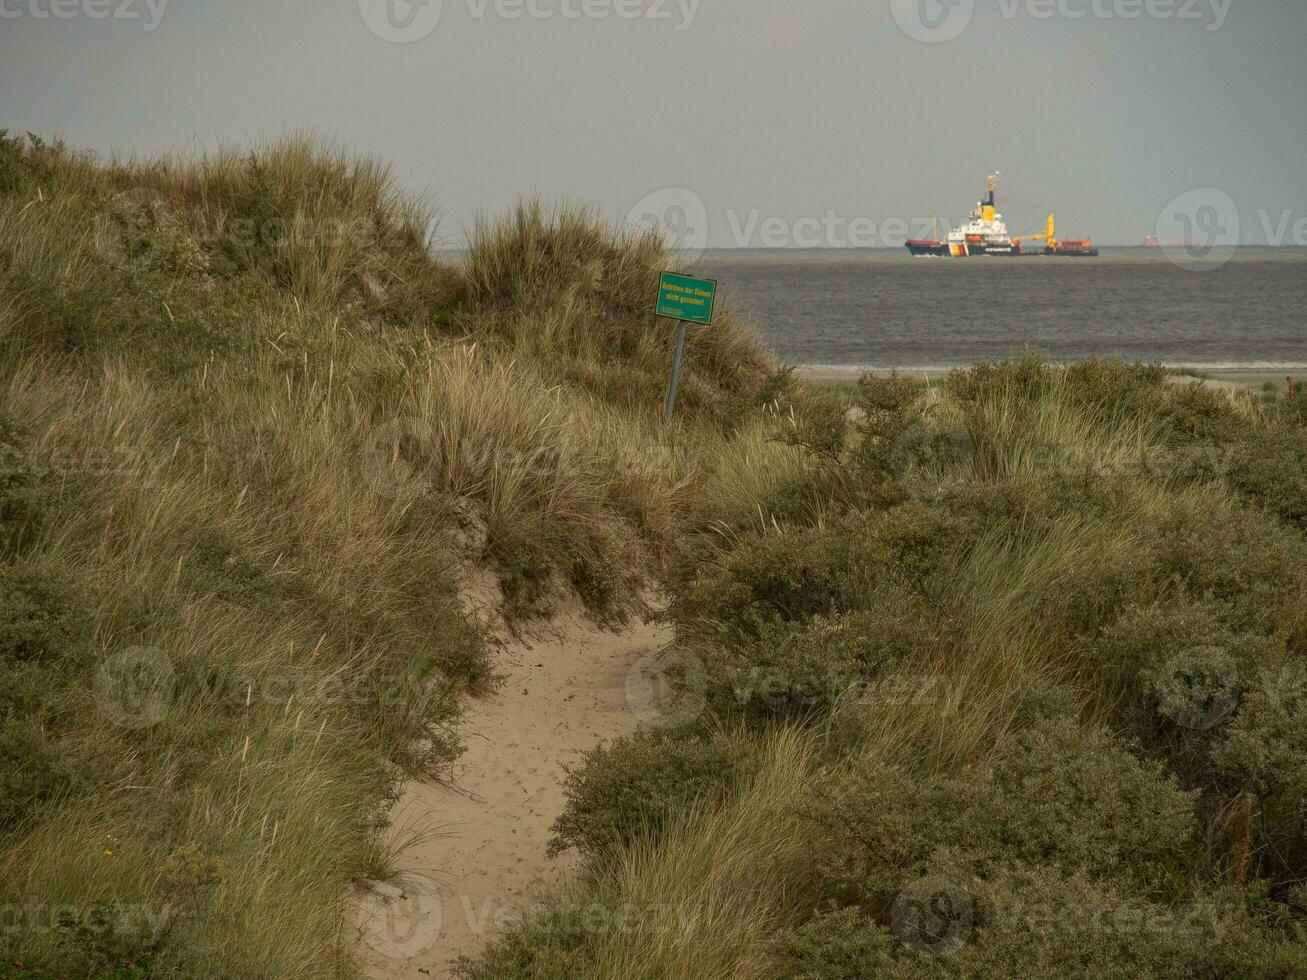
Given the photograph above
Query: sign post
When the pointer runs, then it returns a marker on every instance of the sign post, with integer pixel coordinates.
(687, 300)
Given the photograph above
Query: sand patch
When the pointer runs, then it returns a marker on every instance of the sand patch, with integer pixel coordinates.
(565, 693)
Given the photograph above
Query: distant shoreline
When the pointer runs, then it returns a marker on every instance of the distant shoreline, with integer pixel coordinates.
(830, 373)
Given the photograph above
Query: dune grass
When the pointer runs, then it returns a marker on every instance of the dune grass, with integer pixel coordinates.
(1035, 632)
(252, 434)
(1000, 649)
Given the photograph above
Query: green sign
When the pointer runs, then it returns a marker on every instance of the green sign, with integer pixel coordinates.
(684, 298)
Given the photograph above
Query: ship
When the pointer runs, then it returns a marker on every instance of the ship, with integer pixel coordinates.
(985, 234)
(929, 246)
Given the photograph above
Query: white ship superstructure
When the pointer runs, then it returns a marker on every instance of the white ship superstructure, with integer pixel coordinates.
(984, 232)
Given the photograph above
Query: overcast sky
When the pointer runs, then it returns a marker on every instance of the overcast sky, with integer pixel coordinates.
(764, 110)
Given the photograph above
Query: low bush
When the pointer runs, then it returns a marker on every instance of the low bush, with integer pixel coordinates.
(793, 574)
(1038, 923)
(1268, 469)
(34, 770)
(626, 789)
(19, 501)
(1057, 795)
(796, 669)
(40, 619)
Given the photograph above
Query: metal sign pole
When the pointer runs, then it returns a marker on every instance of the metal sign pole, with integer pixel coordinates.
(676, 374)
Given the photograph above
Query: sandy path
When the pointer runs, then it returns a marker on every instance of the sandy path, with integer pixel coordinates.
(564, 694)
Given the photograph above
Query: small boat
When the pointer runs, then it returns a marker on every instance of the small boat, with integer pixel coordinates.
(930, 246)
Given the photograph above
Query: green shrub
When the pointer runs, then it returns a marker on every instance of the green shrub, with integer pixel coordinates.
(26, 163)
(1179, 671)
(1058, 795)
(1269, 468)
(841, 945)
(792, 575)
(19, 510)
(627, 788)
(1237, 556)
(1264, 753)
(39, 618)
(795, 668)
(33, 770)
(550, 945)
(1038, 923)
(103, 941)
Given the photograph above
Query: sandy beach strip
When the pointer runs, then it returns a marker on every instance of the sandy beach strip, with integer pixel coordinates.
(835, 373)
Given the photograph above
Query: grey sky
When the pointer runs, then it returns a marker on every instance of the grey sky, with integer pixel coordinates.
(764, 109)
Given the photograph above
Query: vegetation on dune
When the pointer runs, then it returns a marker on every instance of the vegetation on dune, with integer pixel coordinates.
(1039, 633)
(250, 431)
(997, 677)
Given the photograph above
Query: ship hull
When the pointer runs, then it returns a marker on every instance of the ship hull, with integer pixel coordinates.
(965, 250)
(927, 248)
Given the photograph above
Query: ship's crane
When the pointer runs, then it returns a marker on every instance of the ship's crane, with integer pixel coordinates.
(1049, 237)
